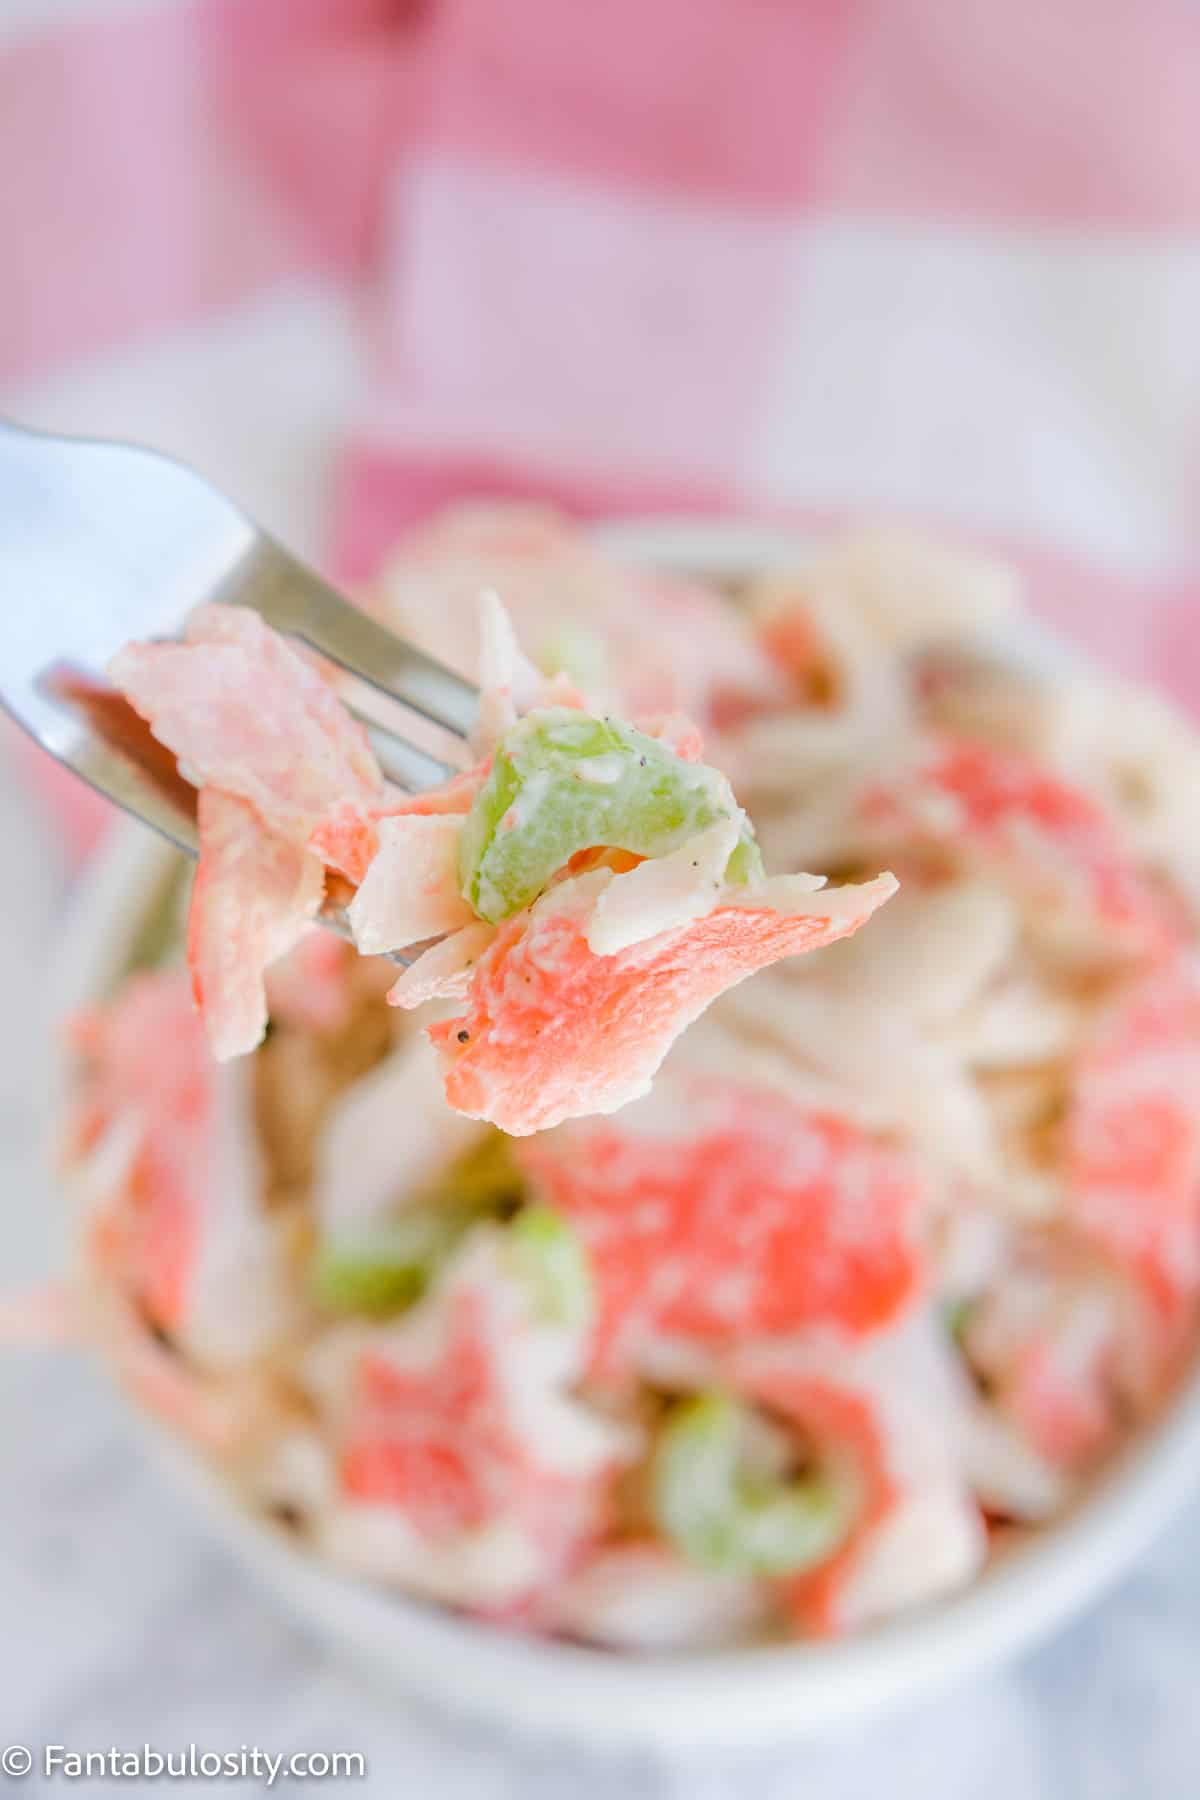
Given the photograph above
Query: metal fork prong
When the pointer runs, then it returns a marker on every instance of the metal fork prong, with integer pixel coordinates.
(114, 727)
(103, 544)
(405, 765)
(336, 919)
(116, 724)
(294, 599)
(120, 779)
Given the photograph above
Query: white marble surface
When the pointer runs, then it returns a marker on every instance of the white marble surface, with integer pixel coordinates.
(123, 1625)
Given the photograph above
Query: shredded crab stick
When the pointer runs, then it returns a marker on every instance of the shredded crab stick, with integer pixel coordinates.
(166, 1167)
(1055, 845)
(409, 892)
(288, 785)
(465, 1462)
(879, 1420)
(836, 692)
(715, 1212)
(595, 970)
(1048, 1342)
(640, 643)
(623, 877)
(552, 1031)
(140, 1131)
(254, 896)
(1133, 1144)
(246, 713)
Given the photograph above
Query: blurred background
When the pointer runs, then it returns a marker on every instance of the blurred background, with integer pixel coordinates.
(354, 258)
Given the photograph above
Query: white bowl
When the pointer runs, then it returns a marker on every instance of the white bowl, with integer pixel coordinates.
(597, 1698)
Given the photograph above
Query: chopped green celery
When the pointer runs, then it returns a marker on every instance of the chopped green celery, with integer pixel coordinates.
(563, 781)
(724, 1516)
(550, 1258)
(386, 1268)
(745, 862)
(383, 1271)
(575, 651)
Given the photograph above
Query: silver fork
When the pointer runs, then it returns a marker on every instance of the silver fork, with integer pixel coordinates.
(103, 543)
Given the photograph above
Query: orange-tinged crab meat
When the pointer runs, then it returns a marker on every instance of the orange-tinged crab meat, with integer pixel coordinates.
(245, 712)
(148, 1088)
(254, 896)
(552, 1031)
(1133, 1140)
(459, 1426)
(1048, 840)
(879, 1417)
(744, 1215)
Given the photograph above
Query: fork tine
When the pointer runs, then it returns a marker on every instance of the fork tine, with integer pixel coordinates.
(403, 763)
(292, 598)
(118, 778)
(119, 755)
(104, 543)
(113, 774)
(115, 726)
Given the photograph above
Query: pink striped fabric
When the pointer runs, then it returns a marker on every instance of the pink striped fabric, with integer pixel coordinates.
(663, 254)
(162, 159)
(125, 210)
(166, 161)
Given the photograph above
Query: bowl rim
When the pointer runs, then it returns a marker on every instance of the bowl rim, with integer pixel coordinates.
(605, 1699)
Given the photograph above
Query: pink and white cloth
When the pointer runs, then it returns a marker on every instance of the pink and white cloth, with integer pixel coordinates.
(356, 257)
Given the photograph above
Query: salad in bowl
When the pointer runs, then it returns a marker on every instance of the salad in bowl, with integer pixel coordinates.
(484, 1281)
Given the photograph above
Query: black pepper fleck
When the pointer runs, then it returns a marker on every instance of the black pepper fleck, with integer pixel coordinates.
(463, 1036)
